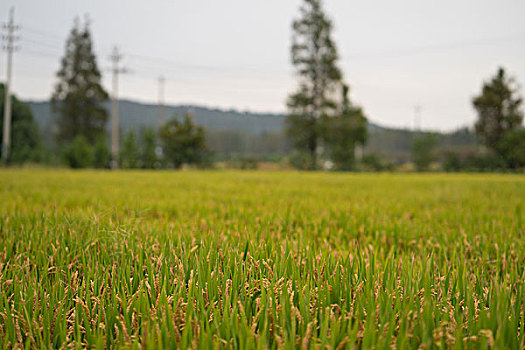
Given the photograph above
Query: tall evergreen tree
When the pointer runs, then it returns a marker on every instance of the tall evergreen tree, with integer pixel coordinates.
(79, 95)
(314, 55)
(498, 108)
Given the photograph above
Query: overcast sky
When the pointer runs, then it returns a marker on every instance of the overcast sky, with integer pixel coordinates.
(235, 53)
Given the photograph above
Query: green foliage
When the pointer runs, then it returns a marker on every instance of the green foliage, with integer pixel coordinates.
(343, 132)
(303, 131)
(340, 146)
(244, 162)
(102, 154)
(423, 151)
(301, 160)
(229, 143)
(79, 153)
(452, 162)
(129, 153)
(79, 95)
(373, 162)
(149, 144)
(484, 162)
(499, 110)
(183, 143)
(26, 143)
(512, 148)
(261, 260)
(490, 161)
(263, 135)
(314, 55)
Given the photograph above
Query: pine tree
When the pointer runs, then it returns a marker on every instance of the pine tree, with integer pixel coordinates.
(314, 55)
(79, 95)
(498, 108)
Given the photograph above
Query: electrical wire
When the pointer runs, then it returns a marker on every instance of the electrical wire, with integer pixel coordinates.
(41, 44)
(437, 48)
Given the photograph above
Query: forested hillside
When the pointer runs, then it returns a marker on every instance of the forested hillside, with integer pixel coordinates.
(230, 132)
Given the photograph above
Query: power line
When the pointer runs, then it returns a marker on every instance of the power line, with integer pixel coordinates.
(184, 65)
(11, 28)
(437, 48)
(381, 54)
(173, 63)
(38, 53)
(41, 44)
(43, 34)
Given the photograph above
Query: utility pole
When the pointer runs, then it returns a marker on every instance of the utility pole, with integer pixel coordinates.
(160, 119)
(6, 139)
(115, 57)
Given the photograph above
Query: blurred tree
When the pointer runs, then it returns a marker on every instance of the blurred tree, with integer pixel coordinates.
(79, 153)
(512, 148)
(483, 162)
(79, 95)
(130, 154)
(314, 55)
(26, 143)
(343, 132)
(244, 162)
(148, 155)
(452, 162)
(102, 155)
(373, 162)
(183, 142)
(423, 151)
(498, 108)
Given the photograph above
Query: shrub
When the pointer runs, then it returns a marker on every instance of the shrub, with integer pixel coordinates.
(102, 155)
(452, 162)
(512, 148)
(423, 151)
(79, 153)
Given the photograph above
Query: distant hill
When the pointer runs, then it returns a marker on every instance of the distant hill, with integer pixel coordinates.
(137, 116)
(233, 132)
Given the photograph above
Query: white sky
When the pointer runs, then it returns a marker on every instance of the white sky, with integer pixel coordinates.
(235, 53)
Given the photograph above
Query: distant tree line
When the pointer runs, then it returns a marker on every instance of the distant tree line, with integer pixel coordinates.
(226, 144)
(499, 129)
(324, 129)
(78, 100)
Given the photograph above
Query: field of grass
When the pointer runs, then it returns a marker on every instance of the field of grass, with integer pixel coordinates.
(261, 260)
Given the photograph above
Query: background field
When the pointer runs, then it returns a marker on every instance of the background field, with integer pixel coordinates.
(261, 260)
